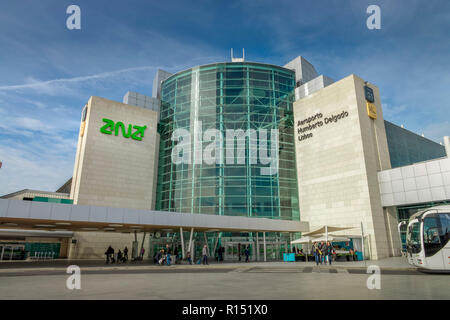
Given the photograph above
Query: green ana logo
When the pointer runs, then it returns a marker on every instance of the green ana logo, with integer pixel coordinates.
(109, 127)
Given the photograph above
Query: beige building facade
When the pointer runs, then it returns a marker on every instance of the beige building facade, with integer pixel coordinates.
(344, 151)
(339, 151)
(115, 166)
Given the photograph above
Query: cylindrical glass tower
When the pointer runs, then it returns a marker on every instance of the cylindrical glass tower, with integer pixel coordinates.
(225, 96)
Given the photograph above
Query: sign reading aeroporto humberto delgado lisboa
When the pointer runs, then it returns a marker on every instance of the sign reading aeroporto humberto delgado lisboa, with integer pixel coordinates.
(311, 125)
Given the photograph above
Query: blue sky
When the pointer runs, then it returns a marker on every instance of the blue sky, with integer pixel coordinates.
(47, 72)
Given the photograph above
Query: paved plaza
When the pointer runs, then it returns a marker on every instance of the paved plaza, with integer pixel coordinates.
(271, 280)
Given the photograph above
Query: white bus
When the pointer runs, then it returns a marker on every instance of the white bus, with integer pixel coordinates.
(427, 239)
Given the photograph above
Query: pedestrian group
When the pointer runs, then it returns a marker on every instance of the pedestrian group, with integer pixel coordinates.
(323, 252)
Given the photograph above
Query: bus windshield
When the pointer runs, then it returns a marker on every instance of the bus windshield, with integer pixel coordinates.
(435, 232)
(413, 238)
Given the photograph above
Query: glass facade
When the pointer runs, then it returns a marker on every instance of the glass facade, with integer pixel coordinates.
(406, 147)
(223, 96)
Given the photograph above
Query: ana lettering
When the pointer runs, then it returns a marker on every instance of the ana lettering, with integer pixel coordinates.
(127, 132)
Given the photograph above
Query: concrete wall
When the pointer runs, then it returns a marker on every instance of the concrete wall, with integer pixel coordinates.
(160, 76)
(304, 70)
(312, 86)
(337, 164)
(140, 100)
(113, 171)
(92, 245)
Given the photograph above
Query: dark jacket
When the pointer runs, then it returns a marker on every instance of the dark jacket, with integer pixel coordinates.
(316, 249)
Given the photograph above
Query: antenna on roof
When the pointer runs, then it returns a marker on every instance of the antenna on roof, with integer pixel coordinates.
(233, 59)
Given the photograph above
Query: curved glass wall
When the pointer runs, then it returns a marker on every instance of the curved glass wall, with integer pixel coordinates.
(224, 96)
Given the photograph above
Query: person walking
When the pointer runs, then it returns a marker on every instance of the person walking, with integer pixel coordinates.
(316, 252)
(188, 257)
(168, 253)
(119, 256)
(113, 256)
(329, 252)
(162, 258)
(142, 253)
(323, 249)
(175, 255)
(219, 250)
(156, 257)
(351, 254)
(125, 254)
(239, 251)
(205, 254)
(108, 253)
(247, 254)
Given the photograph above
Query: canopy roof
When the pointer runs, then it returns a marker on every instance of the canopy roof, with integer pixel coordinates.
(324, 229)
(303, 240)
(331, 237)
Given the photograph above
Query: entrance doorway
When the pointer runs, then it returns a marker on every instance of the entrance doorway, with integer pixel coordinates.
(235, 251)
(12, 252)
(274, 250)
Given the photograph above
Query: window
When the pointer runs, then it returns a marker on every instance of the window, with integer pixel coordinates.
(445, 228)
(431, 239)
(413, 239)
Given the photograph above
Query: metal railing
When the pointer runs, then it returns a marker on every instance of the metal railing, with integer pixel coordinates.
(43, 255)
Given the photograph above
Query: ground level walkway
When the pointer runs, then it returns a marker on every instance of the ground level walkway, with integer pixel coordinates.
(394, 263)
(228, 281)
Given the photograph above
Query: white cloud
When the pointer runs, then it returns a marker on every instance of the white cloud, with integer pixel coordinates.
(22, 169)
(436, 131)
(61, 86)
(391, 112)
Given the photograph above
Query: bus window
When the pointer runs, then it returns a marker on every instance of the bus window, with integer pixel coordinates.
(431, 235)
(413, 238)
(445, 228)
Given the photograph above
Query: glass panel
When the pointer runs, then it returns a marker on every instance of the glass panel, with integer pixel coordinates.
(230, 96)
(431, 230)
(413, 238)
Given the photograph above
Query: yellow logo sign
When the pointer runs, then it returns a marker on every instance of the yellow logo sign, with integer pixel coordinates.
(83, 125)
(371, 110)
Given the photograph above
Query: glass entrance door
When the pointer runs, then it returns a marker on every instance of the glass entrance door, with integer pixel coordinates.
(235, 251)
(12, 252)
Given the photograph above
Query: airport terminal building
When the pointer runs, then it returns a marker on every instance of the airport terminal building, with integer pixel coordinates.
(234, 154)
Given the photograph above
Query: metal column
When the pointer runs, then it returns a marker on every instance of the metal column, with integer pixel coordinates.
(182, 243)
(190, 242)
(142, 245)
(290, 244)
(264, 240)
(215, 245)
(362, 243)
(207, 246)
(257, 246)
